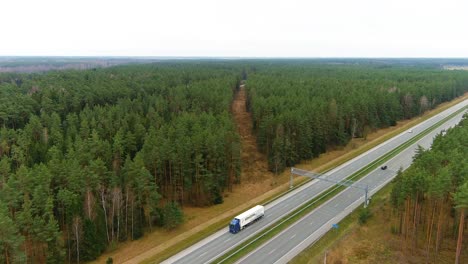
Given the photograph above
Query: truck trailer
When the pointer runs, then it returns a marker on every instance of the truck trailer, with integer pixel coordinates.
(246, 218)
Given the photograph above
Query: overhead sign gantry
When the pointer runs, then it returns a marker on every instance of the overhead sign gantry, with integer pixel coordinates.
(322, 177)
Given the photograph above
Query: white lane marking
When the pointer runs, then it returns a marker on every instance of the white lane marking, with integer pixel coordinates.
(202, 254)
(272, 251)
(336, 205)
(293, 236)
(311, 223)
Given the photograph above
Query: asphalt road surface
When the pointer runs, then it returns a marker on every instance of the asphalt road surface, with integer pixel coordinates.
(310, 228)
(222, 241)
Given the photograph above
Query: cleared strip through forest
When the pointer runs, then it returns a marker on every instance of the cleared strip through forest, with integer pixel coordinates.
(254, 168)
(254, 163)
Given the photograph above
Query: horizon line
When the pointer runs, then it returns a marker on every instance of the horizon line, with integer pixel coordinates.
(217, 57)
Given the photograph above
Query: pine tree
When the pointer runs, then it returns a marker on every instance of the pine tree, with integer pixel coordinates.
(461, 201)
(10, 239)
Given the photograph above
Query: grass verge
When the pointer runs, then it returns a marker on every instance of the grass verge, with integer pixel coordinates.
(252, 243)
(318, 249)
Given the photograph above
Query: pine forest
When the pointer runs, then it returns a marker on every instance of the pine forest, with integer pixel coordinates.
(90, 158)
(430, 199)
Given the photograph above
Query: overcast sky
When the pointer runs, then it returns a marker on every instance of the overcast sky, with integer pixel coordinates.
(235, 28)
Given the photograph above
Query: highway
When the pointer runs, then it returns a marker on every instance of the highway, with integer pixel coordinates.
(290, 242)
(222, 241)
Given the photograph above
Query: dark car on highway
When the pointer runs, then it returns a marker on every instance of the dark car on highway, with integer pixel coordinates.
(384, 167)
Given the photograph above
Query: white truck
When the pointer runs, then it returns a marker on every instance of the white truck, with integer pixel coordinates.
(246, 218)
